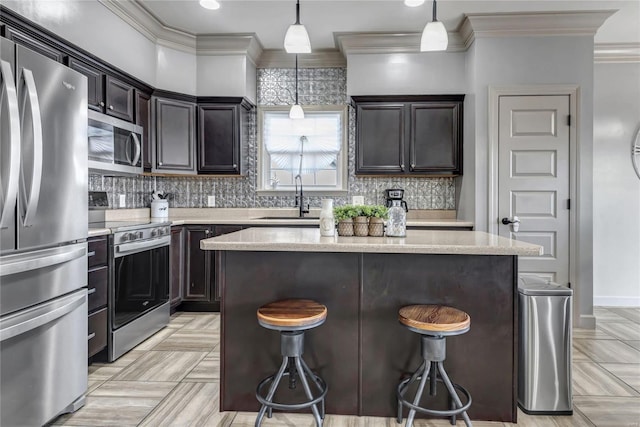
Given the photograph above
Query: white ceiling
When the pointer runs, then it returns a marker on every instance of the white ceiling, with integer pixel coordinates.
(269, 19)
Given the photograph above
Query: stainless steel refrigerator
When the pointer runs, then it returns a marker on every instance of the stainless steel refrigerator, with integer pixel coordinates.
(43, 232)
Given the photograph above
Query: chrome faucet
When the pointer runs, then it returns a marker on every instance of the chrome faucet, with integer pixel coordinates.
(300, 198)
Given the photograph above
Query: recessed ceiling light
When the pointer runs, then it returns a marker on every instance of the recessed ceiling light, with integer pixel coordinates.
(413, 3)
(210, 4)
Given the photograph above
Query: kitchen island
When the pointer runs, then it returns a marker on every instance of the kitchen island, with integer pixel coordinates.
(362, 351)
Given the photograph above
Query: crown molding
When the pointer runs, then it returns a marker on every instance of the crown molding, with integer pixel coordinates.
(229, 44)
(616, 52)
(134, 14)
(364, 43)
(561, 23)
(319, 58)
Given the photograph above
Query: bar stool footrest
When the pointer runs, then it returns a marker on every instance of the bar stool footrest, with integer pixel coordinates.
(287, 406)
(435, 412)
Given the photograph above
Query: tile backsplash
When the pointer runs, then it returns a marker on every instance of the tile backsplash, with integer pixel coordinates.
(276, 86)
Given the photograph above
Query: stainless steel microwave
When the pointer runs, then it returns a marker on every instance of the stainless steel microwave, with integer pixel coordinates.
(115, 146)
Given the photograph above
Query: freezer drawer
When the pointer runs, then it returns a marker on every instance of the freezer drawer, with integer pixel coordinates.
(32, 278)
(44, 360)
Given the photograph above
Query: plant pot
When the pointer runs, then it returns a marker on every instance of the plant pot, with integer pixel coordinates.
(345, 227)
(376, 227)
(361, 226)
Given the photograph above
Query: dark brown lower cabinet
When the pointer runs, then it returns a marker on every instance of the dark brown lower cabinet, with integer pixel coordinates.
(97, 280)
(177, 262)
(200, 288)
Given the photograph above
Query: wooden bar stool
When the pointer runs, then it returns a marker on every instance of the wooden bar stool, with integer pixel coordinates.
(292, 317)
(434, 323)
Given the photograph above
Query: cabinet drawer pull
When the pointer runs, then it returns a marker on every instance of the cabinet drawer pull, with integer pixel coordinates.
(90, 254)
(91, 291)
(91, 335)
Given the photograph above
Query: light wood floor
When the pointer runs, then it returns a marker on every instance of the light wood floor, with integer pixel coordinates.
(172, 379)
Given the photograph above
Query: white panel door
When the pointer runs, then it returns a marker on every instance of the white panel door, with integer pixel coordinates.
(533, 179)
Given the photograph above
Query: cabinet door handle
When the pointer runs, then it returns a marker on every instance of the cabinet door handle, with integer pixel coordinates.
(159, 163)
(402, 167)
(235, 166)
(91, 291)
(91, 336)
(110, 107)
(101, 104)
(90, 254)
(413, 166)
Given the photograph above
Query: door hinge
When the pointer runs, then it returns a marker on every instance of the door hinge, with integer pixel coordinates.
(569, 120)
(568, 204)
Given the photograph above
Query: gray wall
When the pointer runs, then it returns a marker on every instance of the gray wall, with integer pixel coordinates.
(616, 188)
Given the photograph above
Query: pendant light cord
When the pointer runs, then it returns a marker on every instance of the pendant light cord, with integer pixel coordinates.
(434, 11)
(296, 79)
(298, 12)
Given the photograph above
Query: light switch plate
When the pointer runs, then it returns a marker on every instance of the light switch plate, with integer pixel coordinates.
(357, 200)
(211, 201)
(122, 200)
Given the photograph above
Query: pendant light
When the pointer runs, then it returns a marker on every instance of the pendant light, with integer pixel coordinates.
(210, 4)
(413, 3)
(296, 111)
(434, 35)
(297, 39)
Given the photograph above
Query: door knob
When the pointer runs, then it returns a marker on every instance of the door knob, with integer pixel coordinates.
(515, 223)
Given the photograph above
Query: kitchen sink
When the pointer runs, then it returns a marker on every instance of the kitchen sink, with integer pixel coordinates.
(289, 217)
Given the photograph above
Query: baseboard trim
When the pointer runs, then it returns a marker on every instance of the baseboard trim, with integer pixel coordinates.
(616, 301)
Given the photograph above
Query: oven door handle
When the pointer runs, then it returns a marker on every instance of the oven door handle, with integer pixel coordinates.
(135, 247)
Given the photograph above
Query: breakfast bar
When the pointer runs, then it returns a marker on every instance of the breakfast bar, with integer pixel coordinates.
(362, 351)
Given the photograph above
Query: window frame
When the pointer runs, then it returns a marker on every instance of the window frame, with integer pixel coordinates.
(341, 188)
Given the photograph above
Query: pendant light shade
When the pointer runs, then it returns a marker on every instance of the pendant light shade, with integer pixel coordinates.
(413, 3)
(434, 35)
(296, 111)
(296, 40)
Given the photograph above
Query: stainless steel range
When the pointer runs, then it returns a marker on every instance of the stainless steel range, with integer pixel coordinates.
(138, 299)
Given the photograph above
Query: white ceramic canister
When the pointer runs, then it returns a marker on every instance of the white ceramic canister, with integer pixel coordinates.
(327, 221)
(160, 209)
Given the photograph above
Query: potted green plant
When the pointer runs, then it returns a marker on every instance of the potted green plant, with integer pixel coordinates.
(377, 214)
(344, 218)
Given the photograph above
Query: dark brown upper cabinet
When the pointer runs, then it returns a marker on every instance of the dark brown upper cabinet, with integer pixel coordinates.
(409, 135)
(174, 136)
(222, 128)
(143, 118)
(31, 42)
(106, 93)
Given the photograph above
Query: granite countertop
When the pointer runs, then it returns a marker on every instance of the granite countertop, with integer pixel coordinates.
(255, 216)
(416, 242)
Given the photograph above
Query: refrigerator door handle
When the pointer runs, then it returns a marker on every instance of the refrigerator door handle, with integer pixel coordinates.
(35, 263)
(40, 316)
(30, 200)
(12, 144)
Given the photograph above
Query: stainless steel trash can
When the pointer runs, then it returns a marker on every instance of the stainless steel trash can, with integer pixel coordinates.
(544, 356)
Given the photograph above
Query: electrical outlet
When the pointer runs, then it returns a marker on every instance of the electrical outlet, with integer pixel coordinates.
(122, 200)
(211, 201)
(357, 200)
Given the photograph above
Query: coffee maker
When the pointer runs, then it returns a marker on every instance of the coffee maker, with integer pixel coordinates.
(397, 223)
(394, 198)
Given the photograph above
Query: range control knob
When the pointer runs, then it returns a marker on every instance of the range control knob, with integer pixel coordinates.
(125, 237)
(161, 231)
(154, 232)
(139, 235)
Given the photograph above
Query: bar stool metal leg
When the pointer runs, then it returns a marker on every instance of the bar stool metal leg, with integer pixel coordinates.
(317, 383)
(416, 400)
(272, 391)
(453, 393)
(403, 387)
(307, 390)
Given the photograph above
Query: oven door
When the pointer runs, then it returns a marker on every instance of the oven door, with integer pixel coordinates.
(140, 279)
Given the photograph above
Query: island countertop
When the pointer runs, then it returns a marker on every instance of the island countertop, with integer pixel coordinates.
(416, 242)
